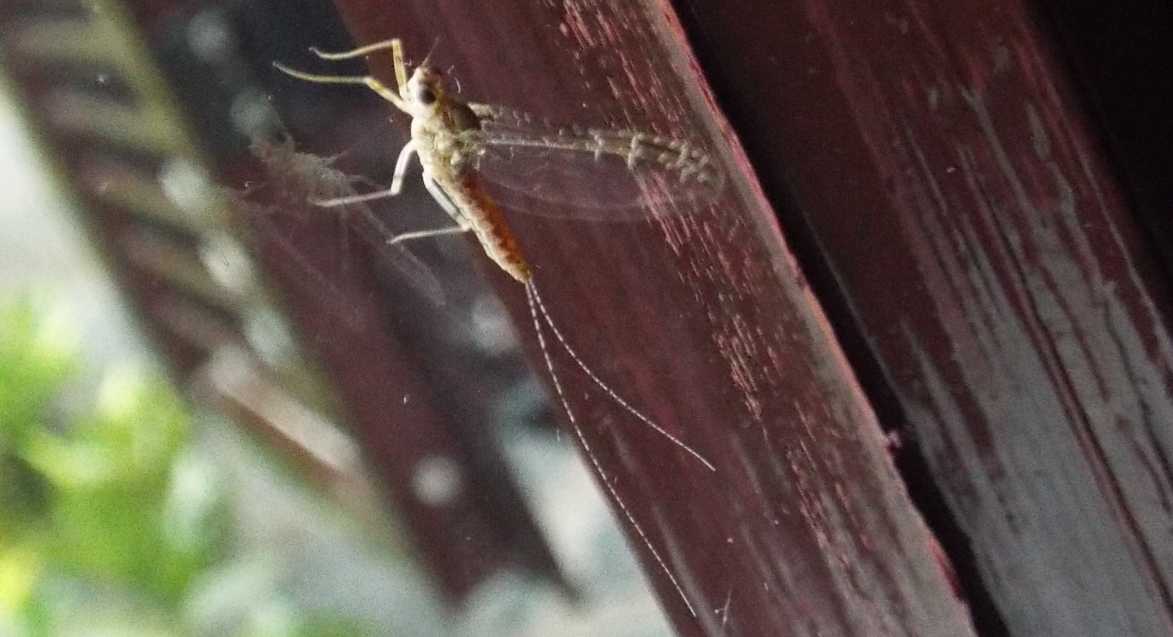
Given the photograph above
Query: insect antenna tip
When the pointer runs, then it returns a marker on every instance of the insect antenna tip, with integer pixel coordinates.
(428, 57)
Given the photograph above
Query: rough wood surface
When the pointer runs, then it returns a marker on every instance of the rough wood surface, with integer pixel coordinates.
(933, 154)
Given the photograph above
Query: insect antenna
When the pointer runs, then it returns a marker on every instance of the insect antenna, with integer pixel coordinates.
(428, 57)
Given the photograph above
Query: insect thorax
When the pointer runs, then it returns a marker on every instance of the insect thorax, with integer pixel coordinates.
(442, 149)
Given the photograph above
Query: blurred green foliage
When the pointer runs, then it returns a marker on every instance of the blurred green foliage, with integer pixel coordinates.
(108, 524)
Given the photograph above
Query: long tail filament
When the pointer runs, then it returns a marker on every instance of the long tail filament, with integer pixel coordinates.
(535, 307)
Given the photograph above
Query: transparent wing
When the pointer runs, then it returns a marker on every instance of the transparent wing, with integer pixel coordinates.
(419, 276)
(588, 173)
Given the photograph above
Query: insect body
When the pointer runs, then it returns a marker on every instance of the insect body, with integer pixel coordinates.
(439, 128)
(455, 141)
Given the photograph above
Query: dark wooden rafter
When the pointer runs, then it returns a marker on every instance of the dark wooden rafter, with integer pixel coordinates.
(965, 225)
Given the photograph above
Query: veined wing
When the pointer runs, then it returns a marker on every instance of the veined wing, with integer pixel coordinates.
(592, 173)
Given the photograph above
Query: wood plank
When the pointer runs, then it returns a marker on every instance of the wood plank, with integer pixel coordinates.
(934, 157)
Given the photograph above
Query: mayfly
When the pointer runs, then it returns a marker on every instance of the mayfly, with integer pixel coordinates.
(455, 140)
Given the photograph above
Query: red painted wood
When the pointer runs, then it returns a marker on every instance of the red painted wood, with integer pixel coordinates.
(934, 157)
(701, 318)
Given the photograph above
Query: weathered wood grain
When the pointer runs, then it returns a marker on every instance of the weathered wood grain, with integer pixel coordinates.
(935, 157)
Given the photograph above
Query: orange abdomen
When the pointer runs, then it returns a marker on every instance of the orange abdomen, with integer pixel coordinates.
(491, 228)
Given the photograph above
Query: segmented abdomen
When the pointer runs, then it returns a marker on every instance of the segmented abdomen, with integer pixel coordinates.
(491, 228)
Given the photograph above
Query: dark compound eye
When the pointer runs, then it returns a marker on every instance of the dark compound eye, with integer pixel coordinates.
(425, 96)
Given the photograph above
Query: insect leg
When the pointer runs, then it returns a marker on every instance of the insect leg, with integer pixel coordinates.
(401, 167)
(422, 234)
(366, 80)
(353, 199)
(374, 47)
(441, 198)
(396, 185)
(394, 44)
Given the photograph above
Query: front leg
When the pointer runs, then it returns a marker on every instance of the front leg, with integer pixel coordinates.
(401, 167)
(396, 183)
